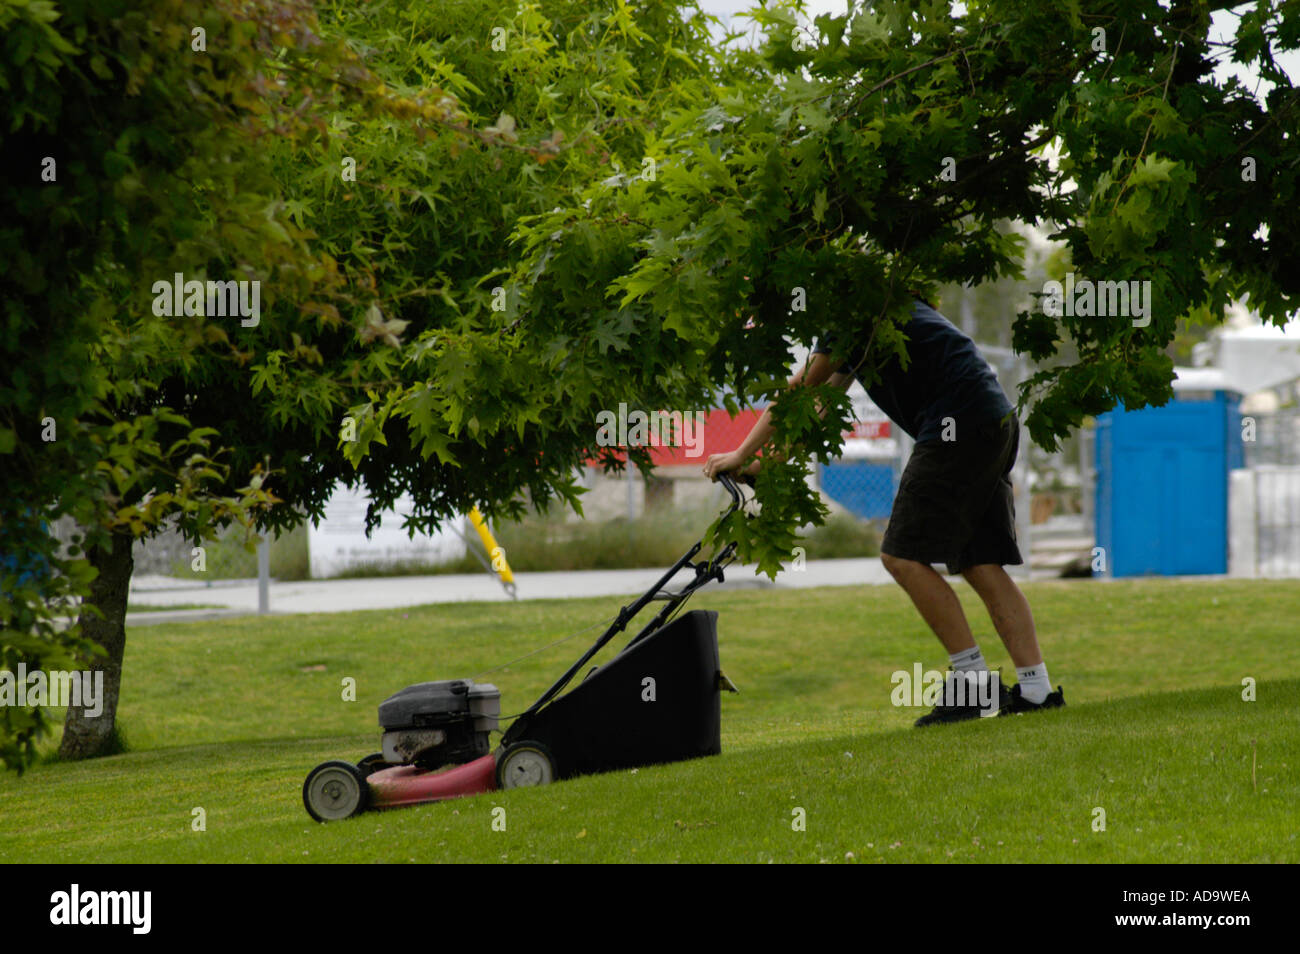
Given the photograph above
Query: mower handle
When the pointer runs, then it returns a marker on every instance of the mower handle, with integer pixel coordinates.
(702, 575)
(729, 483)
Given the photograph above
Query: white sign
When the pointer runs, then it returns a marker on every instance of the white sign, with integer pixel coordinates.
(339, 543)
(871, 433)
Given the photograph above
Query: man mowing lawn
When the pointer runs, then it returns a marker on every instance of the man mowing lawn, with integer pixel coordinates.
(954, 503)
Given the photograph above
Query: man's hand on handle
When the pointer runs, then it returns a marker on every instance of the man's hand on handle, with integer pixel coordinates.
(817, 370)
(728, 464)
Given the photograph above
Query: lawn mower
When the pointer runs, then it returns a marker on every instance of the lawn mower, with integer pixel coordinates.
(657, 700)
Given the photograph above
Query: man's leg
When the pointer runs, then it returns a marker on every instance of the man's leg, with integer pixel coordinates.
(1014, 621)
(938, 605)
(1009, 611)
(934, 600)
(931, 517)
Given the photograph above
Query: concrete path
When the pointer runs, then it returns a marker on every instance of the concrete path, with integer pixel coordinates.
(239, 597)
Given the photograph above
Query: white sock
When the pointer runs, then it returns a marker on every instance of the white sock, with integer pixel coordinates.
(968, 660)
(1034, 684)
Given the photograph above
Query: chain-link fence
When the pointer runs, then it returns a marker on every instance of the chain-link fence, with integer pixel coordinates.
(864, 487)
(1272, 438)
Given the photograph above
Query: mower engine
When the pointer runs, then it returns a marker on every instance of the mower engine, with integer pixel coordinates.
(432, 724)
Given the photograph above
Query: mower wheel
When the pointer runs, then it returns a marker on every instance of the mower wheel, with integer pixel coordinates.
(335, 790)
(372, 764)
(525, 763)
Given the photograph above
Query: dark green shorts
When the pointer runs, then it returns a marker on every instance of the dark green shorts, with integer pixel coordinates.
(954, 503)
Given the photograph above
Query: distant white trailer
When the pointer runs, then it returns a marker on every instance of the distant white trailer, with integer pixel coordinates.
(1258, 357)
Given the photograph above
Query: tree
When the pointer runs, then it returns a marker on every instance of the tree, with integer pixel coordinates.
(66, 78)
(329, 194)
(892, 144)
(678, 213)
(565, 88)
(135, 128)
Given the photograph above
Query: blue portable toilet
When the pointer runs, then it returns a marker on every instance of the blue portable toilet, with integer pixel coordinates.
(1162, 480)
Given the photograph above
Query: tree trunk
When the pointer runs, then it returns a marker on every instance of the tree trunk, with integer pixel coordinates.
(86, 736)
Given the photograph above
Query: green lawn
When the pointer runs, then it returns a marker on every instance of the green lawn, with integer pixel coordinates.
(230, 716)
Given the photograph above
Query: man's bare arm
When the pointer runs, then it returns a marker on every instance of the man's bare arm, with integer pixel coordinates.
(817, 370)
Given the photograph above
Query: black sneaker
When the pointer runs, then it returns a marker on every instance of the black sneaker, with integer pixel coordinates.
(1018, 704)
(943, 712)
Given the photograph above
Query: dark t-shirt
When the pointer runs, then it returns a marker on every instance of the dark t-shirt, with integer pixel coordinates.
(946, 377)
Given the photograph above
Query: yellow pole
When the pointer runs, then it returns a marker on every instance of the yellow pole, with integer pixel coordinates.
(496, 552)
